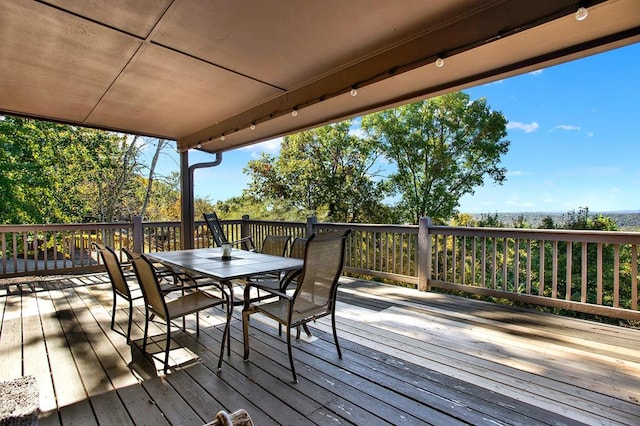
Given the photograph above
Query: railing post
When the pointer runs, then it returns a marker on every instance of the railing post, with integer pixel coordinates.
(245, 228)
(138, 234)
(311, 220)
(424, 254)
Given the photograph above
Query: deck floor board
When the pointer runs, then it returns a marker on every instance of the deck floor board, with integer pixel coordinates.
(408, 358)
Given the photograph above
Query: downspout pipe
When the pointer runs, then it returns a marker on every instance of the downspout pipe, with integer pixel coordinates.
(187, 204)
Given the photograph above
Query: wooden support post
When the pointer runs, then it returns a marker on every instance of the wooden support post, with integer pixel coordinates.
(311, 220)
(138, 234)
(424, 254)
(245, 228)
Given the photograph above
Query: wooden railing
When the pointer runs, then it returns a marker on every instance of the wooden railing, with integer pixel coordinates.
(381, 251)
(584, 271)
(592, 272)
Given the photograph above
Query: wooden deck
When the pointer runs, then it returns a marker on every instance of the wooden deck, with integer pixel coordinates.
(409, 358)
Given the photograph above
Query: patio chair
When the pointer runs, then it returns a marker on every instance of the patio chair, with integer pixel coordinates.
(178, 280)
(298, 247)
(315, 294)
(161, 270)
(190, 303)
(219, 236)
(275, 245)
(120, 284)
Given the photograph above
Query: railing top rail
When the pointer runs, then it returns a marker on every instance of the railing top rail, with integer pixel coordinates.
(63, 226)
(405, 229)
(270, 222)
(613, 237)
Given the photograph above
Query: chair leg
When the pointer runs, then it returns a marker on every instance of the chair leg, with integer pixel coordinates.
(306, 329)
(335, 334)
(293, 368)
(245, 332)
(130, 321)
(167, 347)
(146, 330)
(113, 313)
(225, 335)
(230, 313)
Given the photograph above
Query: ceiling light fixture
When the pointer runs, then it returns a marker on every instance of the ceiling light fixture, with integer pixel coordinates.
(294, 113)
(199, 146)
(222, 137)
(253, 126)
(581, 14)
(354, 91)
(439, 62)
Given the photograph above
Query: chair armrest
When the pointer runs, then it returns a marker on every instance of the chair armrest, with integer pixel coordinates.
(275, 292)
(184, 277)
(247, 241)
(288, 278)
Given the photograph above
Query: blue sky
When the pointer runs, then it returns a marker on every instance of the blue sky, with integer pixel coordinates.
(575, 141)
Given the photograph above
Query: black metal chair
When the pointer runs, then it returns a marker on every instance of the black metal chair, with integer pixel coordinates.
(219, 237)
(315, 294)
(176, 308)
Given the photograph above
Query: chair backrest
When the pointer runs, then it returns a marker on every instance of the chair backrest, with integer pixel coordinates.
(130, 254)
(215, 228)
(116, 275)
(150, 286)
(317, 284)
(275, 244)
(298, 247)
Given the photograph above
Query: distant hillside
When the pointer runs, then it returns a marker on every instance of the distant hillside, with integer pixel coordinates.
(626, 220)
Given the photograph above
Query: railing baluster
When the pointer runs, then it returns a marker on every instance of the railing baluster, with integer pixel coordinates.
(569, 266)
(585, 283)
(541, 271)
(616, 275)
(528, 284)
(494, 266)
(634, 277)
(599, 272)
(516, 266)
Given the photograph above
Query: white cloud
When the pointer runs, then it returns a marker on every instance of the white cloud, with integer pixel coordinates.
(567, 127)
(536, 72)
(516, 173)
(527, 128)
(589, 134)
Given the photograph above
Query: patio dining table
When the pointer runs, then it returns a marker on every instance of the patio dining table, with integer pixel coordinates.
(242, 265)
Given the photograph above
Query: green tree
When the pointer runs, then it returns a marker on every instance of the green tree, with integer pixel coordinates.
(443, 148)
(47, 170)
(327, 172)
(56, 173)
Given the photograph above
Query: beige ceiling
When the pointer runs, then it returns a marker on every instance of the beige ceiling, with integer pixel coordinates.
(193, 70)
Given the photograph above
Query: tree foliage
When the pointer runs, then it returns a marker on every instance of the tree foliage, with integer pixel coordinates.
(443, 148)
(328, 172)
(47, 169)
(56, 173)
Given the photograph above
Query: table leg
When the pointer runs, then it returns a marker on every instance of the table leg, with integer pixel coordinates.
(231, 300)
